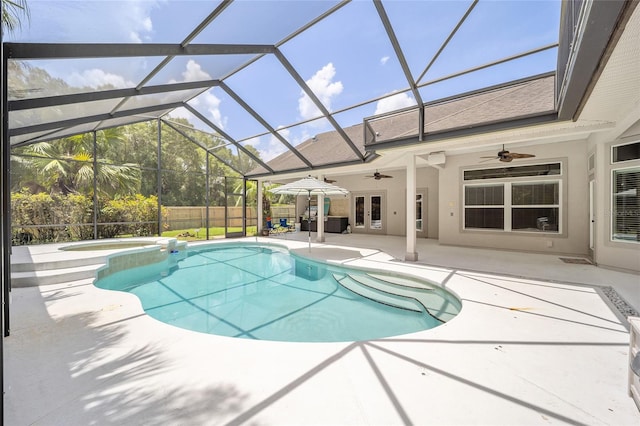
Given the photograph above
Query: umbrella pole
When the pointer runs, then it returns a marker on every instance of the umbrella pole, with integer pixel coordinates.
(309, 219)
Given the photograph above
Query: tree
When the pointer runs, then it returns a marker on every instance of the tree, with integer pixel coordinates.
(66, 165)
(12, 12)
(127, 157)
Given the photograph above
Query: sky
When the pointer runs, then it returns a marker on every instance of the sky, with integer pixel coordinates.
(346, 59)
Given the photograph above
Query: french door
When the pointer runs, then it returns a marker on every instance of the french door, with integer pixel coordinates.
(369, 213)
(421, 213)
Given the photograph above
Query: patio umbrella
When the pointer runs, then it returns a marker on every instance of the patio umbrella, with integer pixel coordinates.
(309, 186)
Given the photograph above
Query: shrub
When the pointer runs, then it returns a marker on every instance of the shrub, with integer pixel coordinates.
(115, 215)
(45, 218)
(42, 217)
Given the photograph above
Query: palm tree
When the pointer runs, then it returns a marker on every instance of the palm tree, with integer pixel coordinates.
(66, 165)
(12, 12)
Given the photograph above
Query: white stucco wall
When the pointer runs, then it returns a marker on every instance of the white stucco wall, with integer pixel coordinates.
(574, 238)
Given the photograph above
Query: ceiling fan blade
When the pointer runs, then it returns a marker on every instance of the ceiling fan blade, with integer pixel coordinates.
(517, 155)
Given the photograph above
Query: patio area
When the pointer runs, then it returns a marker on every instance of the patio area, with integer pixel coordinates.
(537, 342)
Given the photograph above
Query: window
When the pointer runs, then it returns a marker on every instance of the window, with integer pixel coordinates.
(535, 206)
(626, 152)
(530, 202)
(549, 169)
(484, 206)
(626, 205)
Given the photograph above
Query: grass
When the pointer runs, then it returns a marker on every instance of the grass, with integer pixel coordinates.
(194, 234)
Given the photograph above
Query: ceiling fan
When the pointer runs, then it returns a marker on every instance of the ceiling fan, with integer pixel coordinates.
(506, 156)
(377, 176)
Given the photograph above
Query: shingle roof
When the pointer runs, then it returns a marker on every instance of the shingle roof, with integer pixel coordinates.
(501, 104)
(522, 99)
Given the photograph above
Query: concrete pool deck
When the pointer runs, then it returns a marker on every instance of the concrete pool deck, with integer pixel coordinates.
(536, 342)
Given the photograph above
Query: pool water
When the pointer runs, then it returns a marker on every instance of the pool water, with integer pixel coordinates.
(263, 292)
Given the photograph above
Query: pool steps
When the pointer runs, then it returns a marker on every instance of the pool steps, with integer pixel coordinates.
(401, 292)
(377, 294)
(58, 266)
(53, 268)
(437, 302)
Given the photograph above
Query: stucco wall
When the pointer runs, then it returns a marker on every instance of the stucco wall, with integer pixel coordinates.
(574, 238)
(394, 191)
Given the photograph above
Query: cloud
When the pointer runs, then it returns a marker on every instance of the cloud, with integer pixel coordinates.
(254, 142)
(207, 100)
(269, 148)
(136, 21)
(323, 87)
(96, 78)
(194, 72)
(394, 102)
(274, 146)
(384, 60)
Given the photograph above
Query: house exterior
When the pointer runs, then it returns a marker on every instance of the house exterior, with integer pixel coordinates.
(570, 189)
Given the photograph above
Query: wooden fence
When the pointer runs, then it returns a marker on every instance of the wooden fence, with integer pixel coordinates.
(178, 218)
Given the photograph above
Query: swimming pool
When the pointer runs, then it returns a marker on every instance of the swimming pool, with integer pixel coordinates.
(263, 292)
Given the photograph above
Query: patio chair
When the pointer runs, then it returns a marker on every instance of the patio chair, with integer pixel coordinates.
(275, 229)
(287, 226)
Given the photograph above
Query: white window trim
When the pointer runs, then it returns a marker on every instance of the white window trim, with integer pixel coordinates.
(502, 179)
(612, 201)
(615, 163)
(482, 184)
(508, 206)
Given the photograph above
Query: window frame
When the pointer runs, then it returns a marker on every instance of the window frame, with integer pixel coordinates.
(557, 205)
(508, 206)
(617, 145)
(612, 203)
(465, 207)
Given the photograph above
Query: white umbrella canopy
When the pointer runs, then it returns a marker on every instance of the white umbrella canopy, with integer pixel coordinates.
(309, 186)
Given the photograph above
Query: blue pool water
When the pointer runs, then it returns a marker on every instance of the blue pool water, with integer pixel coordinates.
(263, 292)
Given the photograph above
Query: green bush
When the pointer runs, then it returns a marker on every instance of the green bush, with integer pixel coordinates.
(137, 208)
(45, 218)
